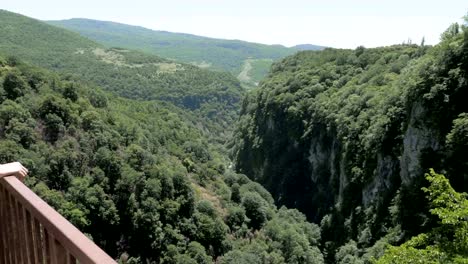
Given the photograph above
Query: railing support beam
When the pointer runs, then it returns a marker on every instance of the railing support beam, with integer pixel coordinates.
(33, 232)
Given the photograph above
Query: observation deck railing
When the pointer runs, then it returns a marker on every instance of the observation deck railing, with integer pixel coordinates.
(33, 232)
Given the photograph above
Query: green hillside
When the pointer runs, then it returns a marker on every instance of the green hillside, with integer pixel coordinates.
(303, 47)
(131, 147)
(347, 137)
(125, 72)
(220, 54)
(139, 177)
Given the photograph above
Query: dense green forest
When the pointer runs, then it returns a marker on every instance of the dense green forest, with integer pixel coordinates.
(364, 144)
(346, 137)
(108, 163)
(144, 167)
(213, 96)
(218, 54)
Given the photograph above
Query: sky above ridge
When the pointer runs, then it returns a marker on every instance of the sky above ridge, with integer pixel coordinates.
(334, 23)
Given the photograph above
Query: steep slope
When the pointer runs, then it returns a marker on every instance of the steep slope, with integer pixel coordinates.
(139, 177)
(228, 55)
(347, 135)
(128, 73)
(143, 167)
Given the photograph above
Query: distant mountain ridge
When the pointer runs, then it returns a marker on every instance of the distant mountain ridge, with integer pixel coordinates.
(307, 47)
(250, 61)
(125, 72)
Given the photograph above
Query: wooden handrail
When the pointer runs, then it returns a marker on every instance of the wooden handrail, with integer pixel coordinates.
(33, 232)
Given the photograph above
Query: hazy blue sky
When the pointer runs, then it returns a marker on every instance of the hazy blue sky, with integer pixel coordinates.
(336, 23)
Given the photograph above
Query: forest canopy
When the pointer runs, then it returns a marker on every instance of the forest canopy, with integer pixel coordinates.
(107, 163)
(346, 137)
(333, 158)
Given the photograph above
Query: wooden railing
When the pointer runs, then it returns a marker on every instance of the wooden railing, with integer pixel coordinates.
(33, 232)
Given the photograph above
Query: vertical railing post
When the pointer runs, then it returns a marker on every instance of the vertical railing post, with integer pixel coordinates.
(2, 230)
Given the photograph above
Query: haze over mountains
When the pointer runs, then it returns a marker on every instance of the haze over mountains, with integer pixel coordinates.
(249, 61)
(128, 73)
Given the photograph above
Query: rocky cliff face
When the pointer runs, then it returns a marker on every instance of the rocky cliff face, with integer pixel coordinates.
(417, 138)
(344, 135)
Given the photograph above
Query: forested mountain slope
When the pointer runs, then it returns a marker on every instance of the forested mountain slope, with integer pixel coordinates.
(347, 135)
(307, 47)
(220, 54)
(139, 177)
(128, 73)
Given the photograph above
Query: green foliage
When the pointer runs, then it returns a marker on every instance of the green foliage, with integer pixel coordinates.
(212, 96)
(217, 54)
(70, 92)
(143, 168)
(343, 135)
(348, 254)
(255, 209)
(458, 137)
(296, 238)
(14, 85)
(445, 243)
(239, 257)
(236, 217)
(348, 99)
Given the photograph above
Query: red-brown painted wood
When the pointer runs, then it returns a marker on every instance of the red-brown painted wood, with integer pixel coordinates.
(33, 232)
